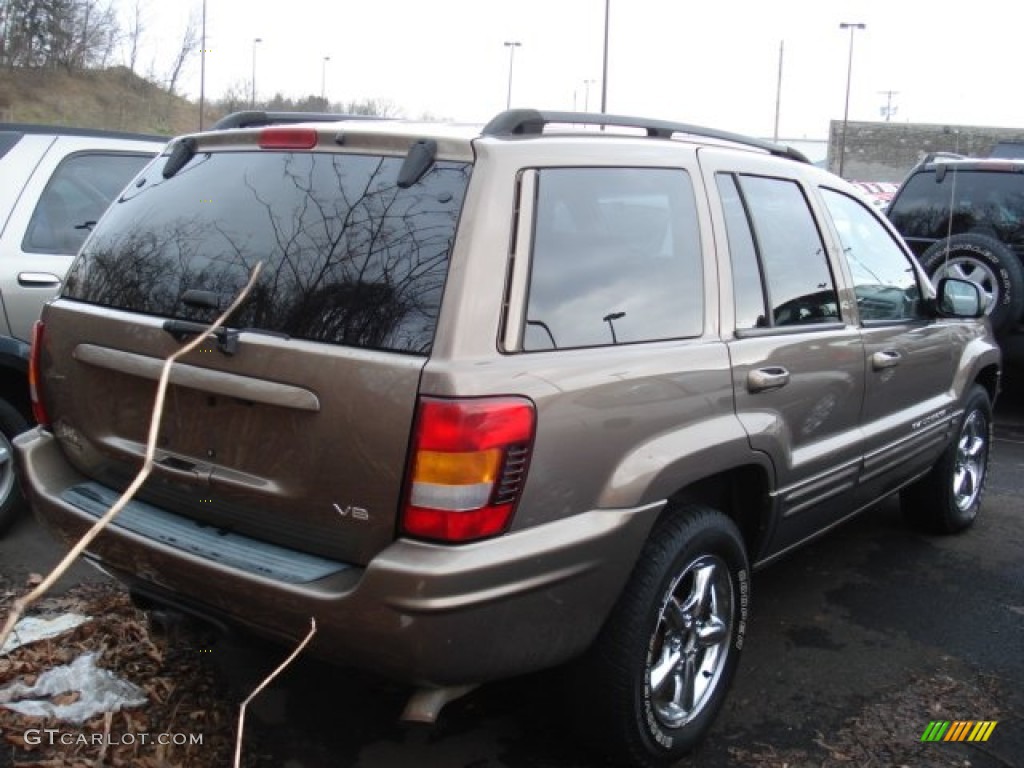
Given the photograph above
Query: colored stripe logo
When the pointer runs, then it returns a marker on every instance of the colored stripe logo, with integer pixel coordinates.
(959, 730)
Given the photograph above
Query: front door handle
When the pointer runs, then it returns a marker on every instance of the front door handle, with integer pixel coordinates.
(765, 379)
(37, 279)
(887, 358)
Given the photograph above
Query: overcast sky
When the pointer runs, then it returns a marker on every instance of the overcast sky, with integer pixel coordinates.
(711, 63)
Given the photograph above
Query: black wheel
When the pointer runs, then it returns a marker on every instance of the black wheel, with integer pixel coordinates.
(649, 689)
(987, 263)
(12, 424)
(947, 499)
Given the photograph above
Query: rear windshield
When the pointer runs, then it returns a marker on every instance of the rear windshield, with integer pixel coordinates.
(348, 257)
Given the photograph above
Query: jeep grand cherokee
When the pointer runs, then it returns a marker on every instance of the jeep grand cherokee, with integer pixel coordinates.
(504, 398)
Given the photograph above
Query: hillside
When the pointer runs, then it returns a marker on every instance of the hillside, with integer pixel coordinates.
(113, 98)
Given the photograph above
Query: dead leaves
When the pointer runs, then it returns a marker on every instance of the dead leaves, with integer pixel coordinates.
(183, 697)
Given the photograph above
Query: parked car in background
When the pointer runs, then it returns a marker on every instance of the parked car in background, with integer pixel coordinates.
(879, 192)
(503, 397)
(964, 217)
(57, 182)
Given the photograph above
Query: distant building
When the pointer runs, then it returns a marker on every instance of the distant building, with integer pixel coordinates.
(887, 151)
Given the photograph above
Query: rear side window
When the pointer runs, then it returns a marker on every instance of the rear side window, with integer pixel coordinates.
(616, 258)
(781, 275)
(75, 197)
(348, 257)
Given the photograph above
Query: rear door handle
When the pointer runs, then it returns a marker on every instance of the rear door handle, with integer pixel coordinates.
(764, 379)
(887, 358)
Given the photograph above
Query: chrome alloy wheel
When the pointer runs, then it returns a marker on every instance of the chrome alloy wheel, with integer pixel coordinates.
(971, 459)
(690, 645)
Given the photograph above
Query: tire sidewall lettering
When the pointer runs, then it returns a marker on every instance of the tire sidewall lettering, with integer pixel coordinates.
(743, 585)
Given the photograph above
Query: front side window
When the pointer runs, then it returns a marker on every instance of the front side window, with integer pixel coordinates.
(349, 257)
(616, 258)
(884, 279)
(74, 199)
(770, 219)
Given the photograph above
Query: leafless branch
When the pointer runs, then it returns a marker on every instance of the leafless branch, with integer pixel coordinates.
(22, 604)
(267, 681)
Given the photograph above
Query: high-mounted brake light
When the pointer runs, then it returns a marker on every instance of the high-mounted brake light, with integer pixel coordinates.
(38, 409)
(288, 138)
(469, 463)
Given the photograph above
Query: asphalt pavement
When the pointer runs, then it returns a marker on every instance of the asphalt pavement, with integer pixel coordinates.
(856, 643)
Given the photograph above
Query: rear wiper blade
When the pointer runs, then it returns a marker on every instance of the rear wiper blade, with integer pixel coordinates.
(227, 339)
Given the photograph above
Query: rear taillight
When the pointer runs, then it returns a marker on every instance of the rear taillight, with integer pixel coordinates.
(38, 409)
(469, 460)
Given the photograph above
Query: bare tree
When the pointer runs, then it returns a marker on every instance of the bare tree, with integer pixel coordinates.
(236, 97)
(133, 34)
(189, 45)
(374, 107)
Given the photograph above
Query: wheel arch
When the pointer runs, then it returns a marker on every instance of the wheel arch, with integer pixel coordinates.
(742, 493)
(988, 378)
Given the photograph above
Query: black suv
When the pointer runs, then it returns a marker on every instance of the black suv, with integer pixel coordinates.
(964, 217)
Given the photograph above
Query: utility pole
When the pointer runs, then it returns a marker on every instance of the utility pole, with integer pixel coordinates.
(889, 110)
(202, 71)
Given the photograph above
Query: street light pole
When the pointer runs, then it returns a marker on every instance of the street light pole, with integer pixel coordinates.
(252, 101)
(511, 45)
(610, 319)
(853, 27)
(586, 94)
(323, 81)
(604, 66)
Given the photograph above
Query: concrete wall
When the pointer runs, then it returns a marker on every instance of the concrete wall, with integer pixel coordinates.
(887, 151)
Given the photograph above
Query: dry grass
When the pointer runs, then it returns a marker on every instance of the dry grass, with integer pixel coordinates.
(114, 99)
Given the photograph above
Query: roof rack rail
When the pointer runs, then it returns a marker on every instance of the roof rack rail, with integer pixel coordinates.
(931, 157)
(518, 122)
(254, 118)
(69, 130)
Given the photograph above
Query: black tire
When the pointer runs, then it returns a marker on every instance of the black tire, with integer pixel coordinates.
(681, 617)
(948, 498)
(987, 263)
(12, 502)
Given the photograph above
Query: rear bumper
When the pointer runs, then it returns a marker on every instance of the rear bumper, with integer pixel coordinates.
(418, 612)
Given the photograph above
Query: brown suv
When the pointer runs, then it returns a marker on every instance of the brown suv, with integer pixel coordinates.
(502, 399)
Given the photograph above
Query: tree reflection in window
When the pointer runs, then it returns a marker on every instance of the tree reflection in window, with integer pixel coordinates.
(349, 258)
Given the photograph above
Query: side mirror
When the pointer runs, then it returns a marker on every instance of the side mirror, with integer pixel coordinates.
(959, 298)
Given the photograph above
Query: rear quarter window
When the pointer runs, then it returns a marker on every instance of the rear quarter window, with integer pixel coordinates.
(75, 197)
(616, 258)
